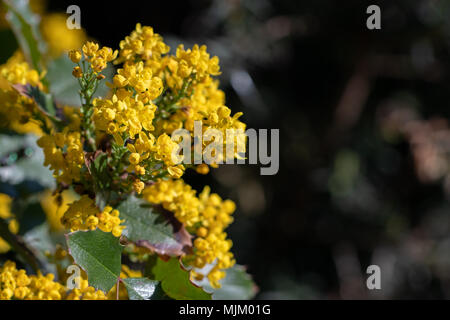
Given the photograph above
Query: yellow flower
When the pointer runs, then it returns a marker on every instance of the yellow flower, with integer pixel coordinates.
(202, 232)
(144, 44)
(134, 158)
(112, 128)
(17, 111)
(197, 59)
(127, 114)
(202, 168)
(175, 171)
(19, 72)
(120, 81)
(75, 55)
(153, 94)
(77, 73)
(138, 186)
(98, 57)
(165, 150)
(16, 284)
(84, 215)
(66, 165)
(209, 211)
(91, 222)
(214, 276)
(90, 48)
(175, 196)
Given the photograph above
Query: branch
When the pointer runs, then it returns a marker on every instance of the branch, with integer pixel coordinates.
(18, 246)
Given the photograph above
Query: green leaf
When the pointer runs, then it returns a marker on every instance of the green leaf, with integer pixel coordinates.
(99, 254)
(44, 101)
(25, 25)
(65, 87)
(175, 281)
(150, 229)
(141, 288)
(237, 285)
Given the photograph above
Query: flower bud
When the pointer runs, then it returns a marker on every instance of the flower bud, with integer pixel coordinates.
(75, 56)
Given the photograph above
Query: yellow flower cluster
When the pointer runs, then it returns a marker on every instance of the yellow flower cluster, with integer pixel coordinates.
(98, 58)
(204, 101)
(18, 71)
(5, 213)
(86, 292)
(123, 113)
(177, 197)
(164, 152)
(161, 150)
(143, 44)
(211, 245)
(224, 122)
(131, 110)
(206, 104)
(195, 64)
(16, 284)
(206, 98)
(64, 154)
(140, 78)
(208, 214)
(17, 110)
(153, 93)
(83, 214)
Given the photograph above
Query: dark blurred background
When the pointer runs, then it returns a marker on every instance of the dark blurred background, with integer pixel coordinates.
(364, 144)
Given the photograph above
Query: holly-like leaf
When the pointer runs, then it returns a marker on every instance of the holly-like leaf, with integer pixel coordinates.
(65, 87)
(141, 288)
(237, 285)
(147, 228)
(44, 101)
(99, 254)
(175, 281)
(25, 25)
